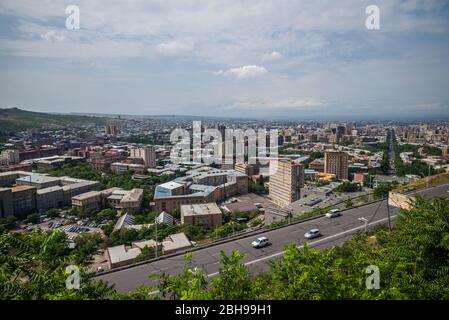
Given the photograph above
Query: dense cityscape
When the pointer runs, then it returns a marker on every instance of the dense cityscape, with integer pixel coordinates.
(210, 159)
(114, 194)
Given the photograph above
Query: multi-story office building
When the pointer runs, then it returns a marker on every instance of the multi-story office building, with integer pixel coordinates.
(286, 182)
(336, 163)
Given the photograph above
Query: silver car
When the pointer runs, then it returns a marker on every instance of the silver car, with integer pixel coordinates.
(260, 242)
(333, 213)
(312, 233)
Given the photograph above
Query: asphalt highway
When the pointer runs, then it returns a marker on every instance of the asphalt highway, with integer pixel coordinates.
(334, 231)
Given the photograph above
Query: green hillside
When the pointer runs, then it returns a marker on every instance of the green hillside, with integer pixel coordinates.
(14, 119)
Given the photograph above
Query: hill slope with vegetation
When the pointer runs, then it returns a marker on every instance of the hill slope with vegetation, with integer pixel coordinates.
(13, 119)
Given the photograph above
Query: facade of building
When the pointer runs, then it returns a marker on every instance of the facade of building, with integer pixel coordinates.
(120, 167)
(23, 200)
(286, 182)
(336, 163)
(147, 153)
(6, 208)
(8, 157)
(205, 215)
(111, 129)
(47, 198)
(35, 192)
(128, 201)
(88, 200)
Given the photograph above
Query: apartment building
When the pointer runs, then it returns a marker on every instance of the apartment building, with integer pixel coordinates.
(336, 163)
(147, 153)
(286, 182)
(206, 215)
(8, 157)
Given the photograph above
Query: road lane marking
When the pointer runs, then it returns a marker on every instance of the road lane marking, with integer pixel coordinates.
(311, 243)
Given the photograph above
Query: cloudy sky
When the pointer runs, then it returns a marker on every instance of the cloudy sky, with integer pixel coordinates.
(272, 59)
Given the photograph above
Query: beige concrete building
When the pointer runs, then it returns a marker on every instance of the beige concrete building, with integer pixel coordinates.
(126, 200)
(336, 163)
(286, 182)
(88, 200)
(206, 215)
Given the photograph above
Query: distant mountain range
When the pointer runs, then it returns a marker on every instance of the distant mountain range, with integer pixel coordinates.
(13, 119)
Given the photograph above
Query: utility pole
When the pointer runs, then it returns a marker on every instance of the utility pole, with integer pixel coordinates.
(157, 246)
(290, 216)
(389, 217)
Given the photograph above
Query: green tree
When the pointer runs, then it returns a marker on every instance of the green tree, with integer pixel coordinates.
(32, 266)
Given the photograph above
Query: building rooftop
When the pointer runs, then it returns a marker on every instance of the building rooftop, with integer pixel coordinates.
(242, 206)
(133, 195)
(200, 209)
(22, 188)
(120, 253)
(37, 178)
(176, 241)
(124, 220)
(86, 195)
(146, 243)
(49, 190)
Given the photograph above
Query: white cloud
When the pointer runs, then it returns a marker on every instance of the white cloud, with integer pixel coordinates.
(243, 72)
(175, 47)
(272, 56)
(290, 102)
(53, 36)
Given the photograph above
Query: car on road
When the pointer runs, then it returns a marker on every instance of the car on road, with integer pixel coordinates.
(312, 233)
(260, 242)
(333, 213)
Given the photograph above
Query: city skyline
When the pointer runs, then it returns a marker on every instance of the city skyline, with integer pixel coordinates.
(308, 61)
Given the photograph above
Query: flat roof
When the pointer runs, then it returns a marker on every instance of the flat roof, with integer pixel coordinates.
(49, 189)
(37, 178)
(86, 195)
(200, 209)
(22, 188)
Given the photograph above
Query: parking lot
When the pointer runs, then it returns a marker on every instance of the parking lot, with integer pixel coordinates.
(71, 225)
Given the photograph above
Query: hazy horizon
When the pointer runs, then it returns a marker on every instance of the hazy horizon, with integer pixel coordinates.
(308, 61)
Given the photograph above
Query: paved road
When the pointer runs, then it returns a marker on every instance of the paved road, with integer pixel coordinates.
(335, 231)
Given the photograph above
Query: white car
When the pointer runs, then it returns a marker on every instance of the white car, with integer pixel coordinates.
(260, 242)
(333, 213)
(312, 233)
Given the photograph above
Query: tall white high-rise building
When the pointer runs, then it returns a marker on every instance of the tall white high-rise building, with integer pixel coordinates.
(286, 182)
